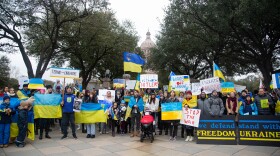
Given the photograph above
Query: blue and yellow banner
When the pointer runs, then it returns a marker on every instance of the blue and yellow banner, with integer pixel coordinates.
(275, 80)
(218, 72)
(118, 83)
(36, 83)
(133, 62)
(47, 106)
(137, 84)
(133, 102)
(91, 113)
(171, 111)
(127, 98)
(227, 87)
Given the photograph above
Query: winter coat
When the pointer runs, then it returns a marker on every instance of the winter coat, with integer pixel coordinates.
(252, 105)
(68, 103)
(4, 117)
(216, 106)
(203, 104)
(263, 107)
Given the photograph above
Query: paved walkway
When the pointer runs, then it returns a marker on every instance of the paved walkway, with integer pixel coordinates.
(125, 146)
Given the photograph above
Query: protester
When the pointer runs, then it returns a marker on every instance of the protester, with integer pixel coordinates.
(162, 125)
(6, 112)
(68, 113)
(12, 93)
(173, 124)
(189, 103)
(264, 103)
(90, 127)
(136, 103)
(242, 98)
(6, 91)
(122, 122)
(215, 105)
(109, 99)
(152, 106)
(248, 107)
(24, 93)
(57, 87)
(181, 96)
(224, 99)
(232, 104)
(118, 97)
(113, 116)
(202, 104)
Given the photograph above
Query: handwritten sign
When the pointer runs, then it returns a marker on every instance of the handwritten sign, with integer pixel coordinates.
(211, 84)
(148, 81)
(196, 89)
(130, 84)
(118, 83)
(64, 73)
(227, 87)
(276, 80)
(180, 82)
(191, 117)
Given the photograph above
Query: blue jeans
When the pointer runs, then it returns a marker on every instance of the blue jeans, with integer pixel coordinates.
(4, 134)
(91, 129)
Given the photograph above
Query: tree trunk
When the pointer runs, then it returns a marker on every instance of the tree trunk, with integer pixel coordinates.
(26, 60)
(266, 70)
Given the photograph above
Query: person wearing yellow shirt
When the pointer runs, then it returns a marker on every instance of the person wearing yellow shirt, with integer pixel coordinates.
(187, 103)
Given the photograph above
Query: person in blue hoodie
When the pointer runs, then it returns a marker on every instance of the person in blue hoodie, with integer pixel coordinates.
(68, 113)
(248, 107)
(6, 112)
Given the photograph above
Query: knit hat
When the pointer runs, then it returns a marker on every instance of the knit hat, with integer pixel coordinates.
(25, 85)
(188, 92)
(122, 102)
(6, 97)
(49, 86)
(248, 95)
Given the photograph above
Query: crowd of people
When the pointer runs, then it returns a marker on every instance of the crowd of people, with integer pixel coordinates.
(260, 102)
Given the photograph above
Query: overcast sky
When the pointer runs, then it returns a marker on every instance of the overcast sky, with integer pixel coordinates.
(144, 14)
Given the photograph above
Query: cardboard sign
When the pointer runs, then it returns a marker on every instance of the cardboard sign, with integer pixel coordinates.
(263, 130)
(196, 89)
(276, 80)
(171, 111)
(130, 84)
(217, 130)
(227, 87)
(64, 73)
(191, 117)
(118, 83)
(180, 82)
(148, 81)
(211, 84)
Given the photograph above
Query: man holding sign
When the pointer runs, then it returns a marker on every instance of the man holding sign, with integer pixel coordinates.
(264, 103)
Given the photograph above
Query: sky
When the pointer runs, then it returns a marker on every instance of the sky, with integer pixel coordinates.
(144, 14)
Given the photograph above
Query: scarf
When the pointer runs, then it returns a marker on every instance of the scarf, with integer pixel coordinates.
(233, 100)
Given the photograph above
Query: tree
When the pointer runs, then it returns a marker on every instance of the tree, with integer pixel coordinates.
(38, 23)
(4, 70)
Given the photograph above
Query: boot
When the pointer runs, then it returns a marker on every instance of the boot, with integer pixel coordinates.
(40, 137)
(160, 133)
(132, 134)
(113, 134)
(47, 136)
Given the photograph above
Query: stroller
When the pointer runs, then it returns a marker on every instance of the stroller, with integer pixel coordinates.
(147, 127)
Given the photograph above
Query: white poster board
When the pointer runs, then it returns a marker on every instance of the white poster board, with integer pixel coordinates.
(180, 82)
(77, 105)
(148, 81)
(130, 84)
(196, 89)
(22, 80)
(211, 84)
(191, 117)
(64, 73)
(103, 92)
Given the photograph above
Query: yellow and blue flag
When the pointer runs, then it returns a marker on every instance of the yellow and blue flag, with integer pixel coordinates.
(36, 83)
(133, 62)
(127, 98)
(91, 113)
(275, 83)
(218, 72)
(137, 84)
(171, 111)
(47, 106)
(132, 102)
(169, 77)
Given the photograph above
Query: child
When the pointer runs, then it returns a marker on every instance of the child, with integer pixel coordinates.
(6, 113)
(113, 116)
(122, 117)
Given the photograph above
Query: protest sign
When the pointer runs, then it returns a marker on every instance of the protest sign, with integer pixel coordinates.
(211, 84)
(227, 87)
(180, 82)
(171, 111)
(239, 88)
(261, 130)
(64, 73)
(118, 83)
(77, 105)
(130, 84)
(276, 80)
(148, 81)
(103, 93)
(217, 130)
(196, 89)
(191, 117)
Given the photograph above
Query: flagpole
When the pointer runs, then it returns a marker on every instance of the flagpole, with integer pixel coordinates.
(213, 69)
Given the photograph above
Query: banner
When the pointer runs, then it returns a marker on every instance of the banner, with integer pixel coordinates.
(217, 130)
(239, 88)
(180, 82)
(227, 87)
(64, 73)
(118, 83)
(191, 117)
(103, 92)
(47, 106)
(148, 81)
(130, 84)
(171, 111)
(211, 84)
(196, 89)
(91, 113)
(261, 130)
(276, 80)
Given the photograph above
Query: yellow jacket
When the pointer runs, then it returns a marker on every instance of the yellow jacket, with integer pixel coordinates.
(191, 103)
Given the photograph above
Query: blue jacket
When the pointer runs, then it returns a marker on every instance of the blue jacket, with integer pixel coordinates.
(253, 106)
(68, 103)
(5, 118)
(139, 103)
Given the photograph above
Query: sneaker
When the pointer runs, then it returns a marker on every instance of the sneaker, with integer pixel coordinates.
(40, 137)
(75, 137)
(191, 138)
(1, 146)
(5, 146)
(187, 139)
(19, 144)
(63, 137)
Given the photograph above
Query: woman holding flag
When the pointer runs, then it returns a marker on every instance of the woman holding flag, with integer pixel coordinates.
(136, 104)
(173, 124)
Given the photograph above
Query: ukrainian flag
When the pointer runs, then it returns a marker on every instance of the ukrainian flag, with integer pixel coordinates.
(271, 85)
(133, 62)
(131, 103)
(22, 95)
(91, 113)
(186, 78)
(169, 77)
(127, 98)
(137, 84)
(171, 111)
(36, 83)
(47, 106)
(218, 72)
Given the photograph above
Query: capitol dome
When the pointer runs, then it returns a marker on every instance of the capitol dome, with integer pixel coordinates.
(147, 45)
